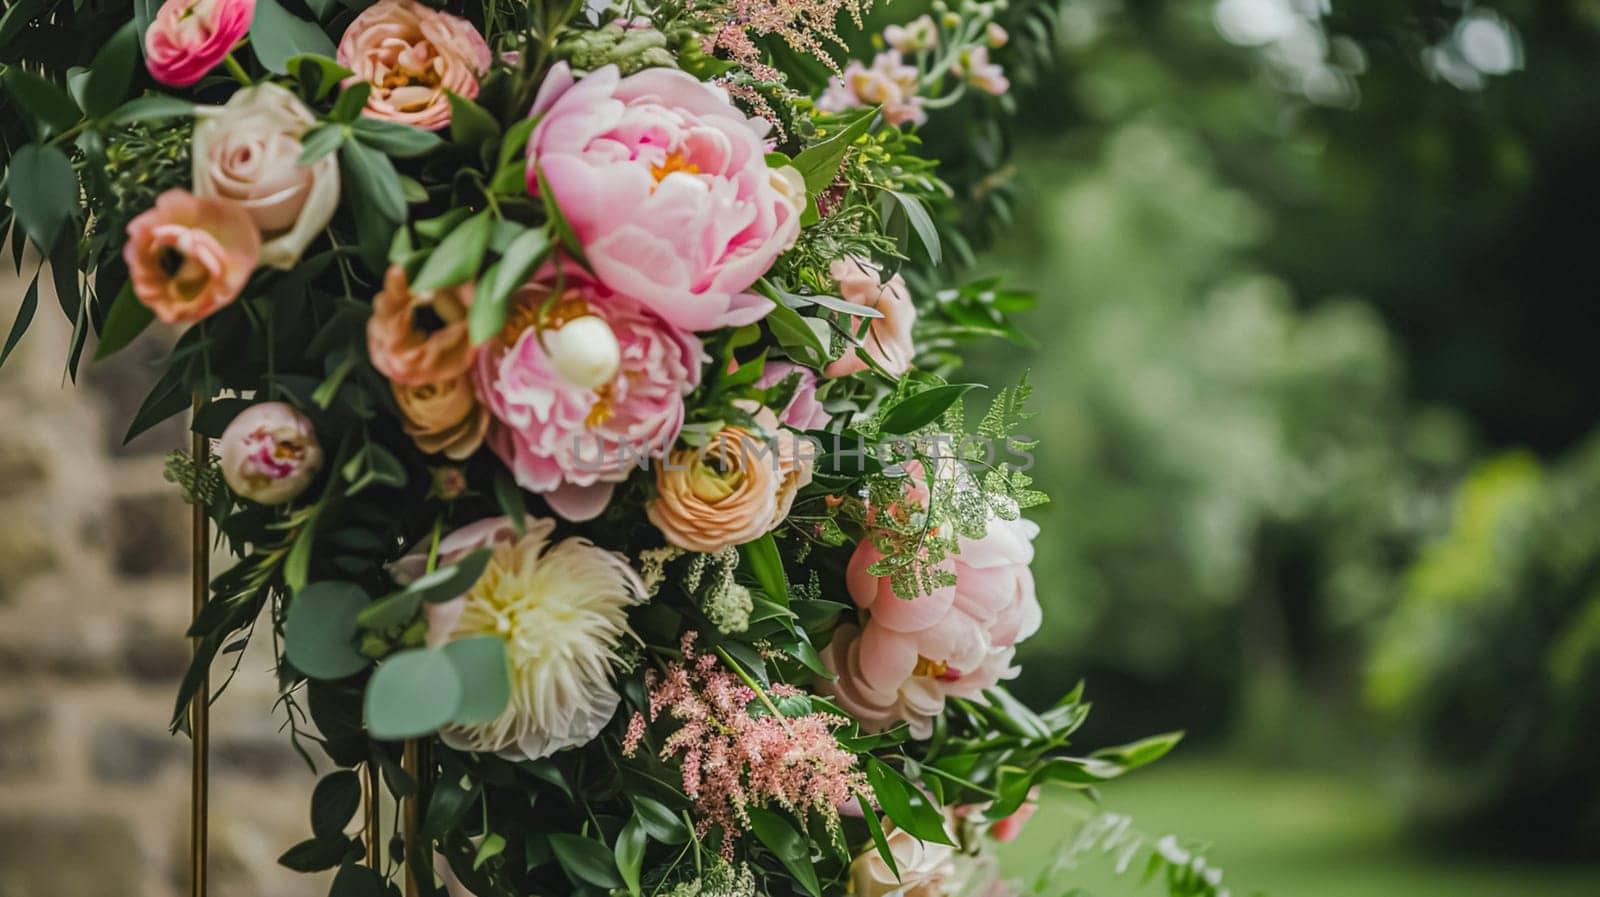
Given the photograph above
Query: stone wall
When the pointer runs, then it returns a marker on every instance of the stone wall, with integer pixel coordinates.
(94, 598)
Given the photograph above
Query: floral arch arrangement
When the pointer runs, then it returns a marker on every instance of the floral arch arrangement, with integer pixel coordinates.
(564, 398)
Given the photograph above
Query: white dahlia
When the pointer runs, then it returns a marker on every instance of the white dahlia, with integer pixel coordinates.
(562, 610)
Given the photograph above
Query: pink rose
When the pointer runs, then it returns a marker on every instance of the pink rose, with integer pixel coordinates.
(411, 54)
(188, 256)
(574, 441)
(269, 453)
(188, 38)
(666, 184)
(803, 412)
(888, 341)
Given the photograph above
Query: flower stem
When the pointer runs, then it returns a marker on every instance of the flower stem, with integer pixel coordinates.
(237, 70)
(749, 681)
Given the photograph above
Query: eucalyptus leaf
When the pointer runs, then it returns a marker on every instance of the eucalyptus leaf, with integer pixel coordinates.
(480, 663)
(319, 633)
(278, 35)
(373, 180)
(151, 107)
(412, 693)
(400, 141)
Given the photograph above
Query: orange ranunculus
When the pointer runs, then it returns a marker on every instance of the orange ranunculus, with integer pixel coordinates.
(190, 256)
(417, 338)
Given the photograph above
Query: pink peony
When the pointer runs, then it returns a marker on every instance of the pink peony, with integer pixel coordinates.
(269, 453)
(954, 641)
(188, 38)
(570, 441)
(190, 256)
(803, 412)
(666, 184)
(411, 54)
(888, 341)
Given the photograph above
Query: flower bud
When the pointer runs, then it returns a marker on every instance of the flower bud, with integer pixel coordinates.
(585, 352)
(270, 453)
(996, 36)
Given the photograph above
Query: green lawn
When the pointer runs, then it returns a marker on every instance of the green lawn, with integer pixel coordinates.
(1284, 834)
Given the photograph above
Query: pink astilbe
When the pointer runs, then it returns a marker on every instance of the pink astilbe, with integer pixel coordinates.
(733, 760)
(732, 27)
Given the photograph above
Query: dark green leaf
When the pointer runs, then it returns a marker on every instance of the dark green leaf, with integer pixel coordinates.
(789, 845)
(358, 881)
(508, 495)
(351, 101)
(492, 846)
(585, 861)
(373, 180)
(112, 72)
(319, 74)
(905, 804)
(412, 693)
(457, 257)
(798, 338)
(447, 805)
(629, 853)
(152, 107)
(819, 163)
(660, 823)
(319, 142)
(401, 141)
(766, 564)
(44, 191)
(480, 664)
(923, 408)
(470, 124)
(335, 799)
(278, 36)
(46, 106)
(921, 224)
(319, 634)
(488, 313)
(127, 319)
(879, 839)
(316, 854)
(25, 312)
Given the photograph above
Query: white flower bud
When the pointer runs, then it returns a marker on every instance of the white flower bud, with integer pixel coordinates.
(585, 352)
(269, 453)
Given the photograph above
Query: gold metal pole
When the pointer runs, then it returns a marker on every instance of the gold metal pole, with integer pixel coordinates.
(200, 705)
(413, 759)
(371, 827)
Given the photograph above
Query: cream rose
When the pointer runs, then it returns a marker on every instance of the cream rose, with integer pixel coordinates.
(249, 151)
(926, 869)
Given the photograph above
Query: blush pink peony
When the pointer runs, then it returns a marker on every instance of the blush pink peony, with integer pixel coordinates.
(955, 641)
(188, 38)
(411, 54)
(666, 185)
(574, 441)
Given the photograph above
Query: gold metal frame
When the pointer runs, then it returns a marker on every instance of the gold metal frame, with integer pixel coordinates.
(414, 759)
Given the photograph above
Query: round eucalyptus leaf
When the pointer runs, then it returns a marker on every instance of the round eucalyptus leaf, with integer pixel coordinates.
(319, 635)
(413, 693)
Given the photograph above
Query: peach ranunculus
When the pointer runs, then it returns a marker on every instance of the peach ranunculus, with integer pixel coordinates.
(187, 38)
(888, 341)
(443, 417)
(722, 494)
(583, 387)
(269, 453)
(249, 150)
(926, 868)
(666, 185)
(418, 338)
(411, 54)
(954, 641)
(190, 256)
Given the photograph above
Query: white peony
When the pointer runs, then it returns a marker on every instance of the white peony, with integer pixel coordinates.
(562, 609)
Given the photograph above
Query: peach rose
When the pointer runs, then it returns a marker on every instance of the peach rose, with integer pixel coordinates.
(190, 256)
(411, 55)
(888, 341)
(723, 494)
(419, 338)
(249, 150)
(443, 417)
(187, 38)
